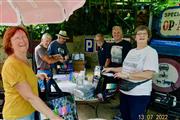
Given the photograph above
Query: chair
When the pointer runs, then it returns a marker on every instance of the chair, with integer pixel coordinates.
(34, 66)
(108, 86)
(1, 97)
(1, 102)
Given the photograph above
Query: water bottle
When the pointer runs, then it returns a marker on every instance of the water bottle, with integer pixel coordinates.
(97, 71)
(80, 78)
(70, 67)
(71, 75)
(97, 75)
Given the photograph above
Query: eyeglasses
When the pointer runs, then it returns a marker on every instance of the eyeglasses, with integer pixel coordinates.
(141, 34)
(98, 41)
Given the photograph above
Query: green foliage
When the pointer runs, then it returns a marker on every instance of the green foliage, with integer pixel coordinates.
(160, 5)
(96, 17)
(36, 31)
(2, 29)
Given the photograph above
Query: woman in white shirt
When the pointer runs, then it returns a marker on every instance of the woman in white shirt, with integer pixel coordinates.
(136, 75)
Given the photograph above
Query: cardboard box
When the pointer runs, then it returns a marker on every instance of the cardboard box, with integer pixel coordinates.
(78, 65)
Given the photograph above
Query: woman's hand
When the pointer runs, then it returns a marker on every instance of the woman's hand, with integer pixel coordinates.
(43, 76)
(56, 118)
(107, 70)
(123, 75)
(117, 75)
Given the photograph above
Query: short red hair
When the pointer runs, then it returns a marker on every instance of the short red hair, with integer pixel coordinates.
(9, 33)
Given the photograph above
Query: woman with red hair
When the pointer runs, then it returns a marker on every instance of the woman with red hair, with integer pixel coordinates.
(19, 80)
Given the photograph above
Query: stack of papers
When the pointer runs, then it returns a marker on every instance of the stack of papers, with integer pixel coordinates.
(61, 77)
(108, 74)
(65, 86)
(84, 92)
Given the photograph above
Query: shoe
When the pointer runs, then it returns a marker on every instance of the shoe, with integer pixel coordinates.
(118, 116)
(100, 97)
(117, 119)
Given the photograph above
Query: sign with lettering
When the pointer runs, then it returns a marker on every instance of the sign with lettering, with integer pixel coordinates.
(168, 78)
(170, 22)
(89, 45)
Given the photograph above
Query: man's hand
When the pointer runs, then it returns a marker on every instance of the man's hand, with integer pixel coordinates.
(56, 56)
(66, 58)
(61, 60)
(59, 57)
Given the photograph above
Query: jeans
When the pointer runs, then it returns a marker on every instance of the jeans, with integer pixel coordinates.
(41, 82)
(28, 117)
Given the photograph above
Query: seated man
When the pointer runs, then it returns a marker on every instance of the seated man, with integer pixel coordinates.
(43, 60)
(59, 47)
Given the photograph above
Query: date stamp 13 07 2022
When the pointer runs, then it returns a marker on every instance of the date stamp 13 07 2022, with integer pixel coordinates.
(153, 117)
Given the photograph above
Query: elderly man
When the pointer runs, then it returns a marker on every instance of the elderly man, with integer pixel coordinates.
(59, 47)
(119, 48)
(43, 60)
(117, 53)
(103, 49)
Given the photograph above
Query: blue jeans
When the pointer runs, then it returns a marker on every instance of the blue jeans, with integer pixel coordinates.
(28, 117)
(133, 107)
(41, 82)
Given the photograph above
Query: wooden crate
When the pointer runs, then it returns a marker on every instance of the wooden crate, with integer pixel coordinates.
(78, 65)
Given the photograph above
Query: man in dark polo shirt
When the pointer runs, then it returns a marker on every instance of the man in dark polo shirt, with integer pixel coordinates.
(103, 49)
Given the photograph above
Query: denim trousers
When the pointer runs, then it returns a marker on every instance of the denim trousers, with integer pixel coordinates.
(28, 117)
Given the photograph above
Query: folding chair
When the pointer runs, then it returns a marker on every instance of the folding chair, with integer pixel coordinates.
(1, 102)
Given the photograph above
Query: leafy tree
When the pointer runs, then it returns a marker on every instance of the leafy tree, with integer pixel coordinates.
(36, 31)
(2, 29)
(159, 6)
(95, 17)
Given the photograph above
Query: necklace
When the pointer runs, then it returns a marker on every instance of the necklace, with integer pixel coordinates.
(25, 60)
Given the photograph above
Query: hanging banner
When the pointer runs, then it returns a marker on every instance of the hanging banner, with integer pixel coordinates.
(170, 22)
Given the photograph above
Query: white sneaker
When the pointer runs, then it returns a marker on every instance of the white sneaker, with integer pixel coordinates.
(100, 96)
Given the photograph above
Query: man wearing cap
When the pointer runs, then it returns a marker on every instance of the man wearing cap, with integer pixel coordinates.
(59, 47)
